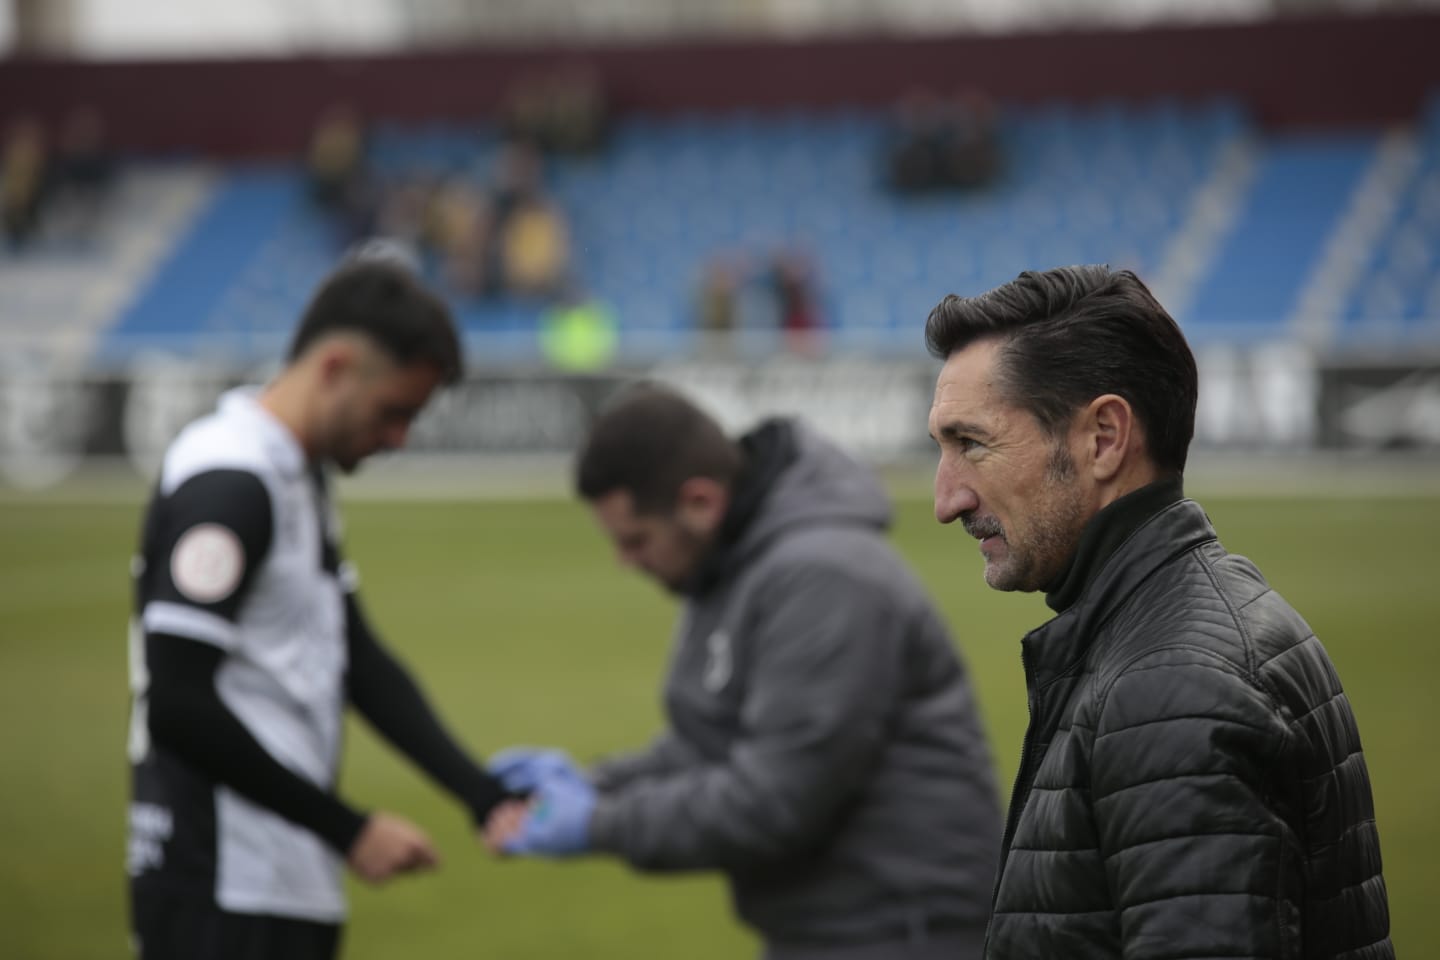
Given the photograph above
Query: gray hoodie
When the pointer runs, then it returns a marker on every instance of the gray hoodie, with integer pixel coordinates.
(824, 749)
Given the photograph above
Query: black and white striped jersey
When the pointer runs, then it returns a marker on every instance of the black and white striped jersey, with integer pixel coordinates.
(239, 554)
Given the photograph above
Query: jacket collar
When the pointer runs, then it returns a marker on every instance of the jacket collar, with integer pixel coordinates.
(1152, 540)
(1105, 533)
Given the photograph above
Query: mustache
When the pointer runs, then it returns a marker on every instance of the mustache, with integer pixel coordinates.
(982, 527)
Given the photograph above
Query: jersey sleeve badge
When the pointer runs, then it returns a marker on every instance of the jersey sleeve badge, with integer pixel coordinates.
(207, 563)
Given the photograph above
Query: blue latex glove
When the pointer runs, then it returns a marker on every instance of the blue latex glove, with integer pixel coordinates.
(558, 824)
(522, 769)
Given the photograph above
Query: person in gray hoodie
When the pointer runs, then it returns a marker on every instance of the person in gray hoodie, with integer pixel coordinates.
(824, 748)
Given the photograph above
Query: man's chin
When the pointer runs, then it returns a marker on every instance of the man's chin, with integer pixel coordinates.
(998, 577)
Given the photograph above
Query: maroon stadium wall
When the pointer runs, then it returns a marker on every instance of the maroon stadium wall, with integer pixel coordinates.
(1312, 72)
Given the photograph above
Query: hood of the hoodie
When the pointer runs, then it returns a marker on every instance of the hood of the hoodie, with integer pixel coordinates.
(793, 477)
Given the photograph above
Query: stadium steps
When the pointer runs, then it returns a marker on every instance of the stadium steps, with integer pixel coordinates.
(178, 307)
(1301, 190)
(1340, 270)
(1215, 209)
(60, 298)
(1394, 305)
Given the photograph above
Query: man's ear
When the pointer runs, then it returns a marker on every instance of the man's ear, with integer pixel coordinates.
(334, 358)
(700, 504)
(1109, 431)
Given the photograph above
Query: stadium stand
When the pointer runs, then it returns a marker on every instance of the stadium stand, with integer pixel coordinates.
(1135, 185)
(1105, 183)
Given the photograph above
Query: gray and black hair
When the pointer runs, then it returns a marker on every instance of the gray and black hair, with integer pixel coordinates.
(1072, 334)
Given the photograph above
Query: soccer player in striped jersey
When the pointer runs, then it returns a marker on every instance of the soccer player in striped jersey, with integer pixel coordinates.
(249, 641)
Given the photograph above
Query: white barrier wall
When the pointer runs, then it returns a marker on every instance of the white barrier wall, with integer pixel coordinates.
(1276, 397)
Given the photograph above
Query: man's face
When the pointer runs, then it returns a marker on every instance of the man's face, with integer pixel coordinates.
(1010, 484)
(666, 547)
(371, 405)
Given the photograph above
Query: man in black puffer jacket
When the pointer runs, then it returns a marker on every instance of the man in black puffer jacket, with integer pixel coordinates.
(1191, 783)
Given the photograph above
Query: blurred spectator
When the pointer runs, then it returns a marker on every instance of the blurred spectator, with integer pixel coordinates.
(534, 249)
(579, 115)
(915, 159)
(791, 274)
(336, 170)
(718, 287)
(84, 170)
(564, 111)
(85, 163)
(455, 223)
(972, 158)
(579, 333)
(774, 293)
(525, 246)
(23, 179)
(944, 144)
(505, 238)
(404, 212)
(523, 111)
(517, 175)
(717, 305)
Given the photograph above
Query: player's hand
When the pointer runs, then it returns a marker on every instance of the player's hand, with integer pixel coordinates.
(503, 824)
(390, 845)
(557, 820)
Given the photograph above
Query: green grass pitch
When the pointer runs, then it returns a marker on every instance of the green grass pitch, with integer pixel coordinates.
(524, 631)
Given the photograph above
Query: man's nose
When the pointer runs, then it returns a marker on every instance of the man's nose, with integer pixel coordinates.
(953, 496)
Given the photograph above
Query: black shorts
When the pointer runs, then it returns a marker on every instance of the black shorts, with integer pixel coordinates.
(185, 928)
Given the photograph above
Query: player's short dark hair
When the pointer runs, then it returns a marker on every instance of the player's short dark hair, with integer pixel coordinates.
(649, 441)
(1071, 334)
(387, 303)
